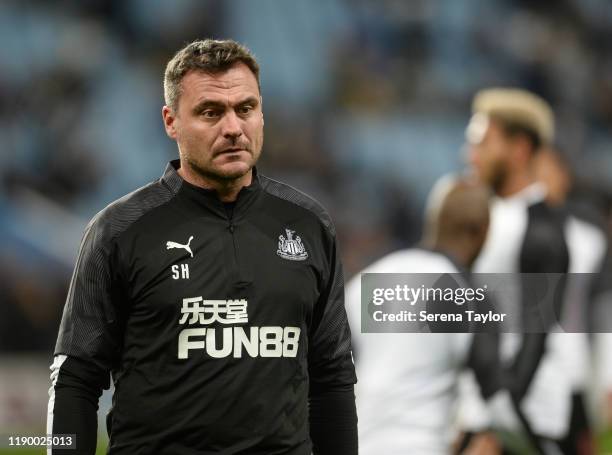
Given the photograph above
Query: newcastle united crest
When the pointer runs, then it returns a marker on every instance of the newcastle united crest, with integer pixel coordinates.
(291, 248)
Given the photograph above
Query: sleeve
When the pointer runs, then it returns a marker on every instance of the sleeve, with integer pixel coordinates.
(544, 251)
(333, 420)
(330, 358)
(479, 382)
(484, 361)
(76, 387)
(333, 416)
(88, 344)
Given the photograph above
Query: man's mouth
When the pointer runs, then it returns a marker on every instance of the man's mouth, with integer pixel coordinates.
(231, 150)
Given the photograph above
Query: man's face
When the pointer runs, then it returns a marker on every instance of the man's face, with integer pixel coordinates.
(489, 151)
(218, 124)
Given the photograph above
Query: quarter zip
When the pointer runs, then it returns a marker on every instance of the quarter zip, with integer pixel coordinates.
(239, 276)
(232, 215)
(229, 210)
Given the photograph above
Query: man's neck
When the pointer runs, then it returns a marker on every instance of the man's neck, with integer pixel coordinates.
(456, 251)
(227, 190)
(515, 184)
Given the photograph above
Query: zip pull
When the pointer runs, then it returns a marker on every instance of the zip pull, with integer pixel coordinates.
(231, 228)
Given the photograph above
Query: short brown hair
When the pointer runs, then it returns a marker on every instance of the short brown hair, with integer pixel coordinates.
(209, 56)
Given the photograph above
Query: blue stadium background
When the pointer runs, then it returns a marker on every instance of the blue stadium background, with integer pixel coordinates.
(365, 102)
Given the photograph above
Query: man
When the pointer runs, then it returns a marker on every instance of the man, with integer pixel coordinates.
(508, 128)
(587, 247)
(407, 381)
(601, 391)
(214, 295)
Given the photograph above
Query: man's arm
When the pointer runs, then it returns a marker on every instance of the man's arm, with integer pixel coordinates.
(73, 402)
(544, 251)
(333, 420)
(333, 416)
(88, 343)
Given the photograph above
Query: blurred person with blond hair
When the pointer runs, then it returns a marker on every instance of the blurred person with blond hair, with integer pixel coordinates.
(507, 131)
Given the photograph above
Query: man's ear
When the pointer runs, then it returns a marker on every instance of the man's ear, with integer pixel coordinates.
(261, 105)
(524, 150)
(169, 121)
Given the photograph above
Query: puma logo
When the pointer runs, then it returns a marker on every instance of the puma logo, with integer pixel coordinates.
(170, 245)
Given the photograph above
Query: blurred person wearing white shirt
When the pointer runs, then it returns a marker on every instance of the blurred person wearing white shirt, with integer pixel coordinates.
(407, 385)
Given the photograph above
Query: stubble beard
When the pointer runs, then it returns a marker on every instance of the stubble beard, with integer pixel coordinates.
(213, 173)
(210, 172)
(498, 177)
(217, 175)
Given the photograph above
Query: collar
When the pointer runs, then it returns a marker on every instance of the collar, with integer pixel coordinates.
(171, 177)
(208, 197)
(531, 194)
(461, 269)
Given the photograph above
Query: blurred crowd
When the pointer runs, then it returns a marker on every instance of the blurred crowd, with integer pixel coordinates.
(366, 105)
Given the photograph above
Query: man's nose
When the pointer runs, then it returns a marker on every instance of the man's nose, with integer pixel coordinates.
(231, 126)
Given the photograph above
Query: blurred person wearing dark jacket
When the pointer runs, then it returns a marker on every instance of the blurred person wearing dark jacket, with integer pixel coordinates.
(212, 296)
(587, 249)
(407, 390)
(601, 321)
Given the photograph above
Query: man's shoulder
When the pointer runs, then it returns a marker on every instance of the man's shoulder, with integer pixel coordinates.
(120, 214)
(413, 260)
(294, 196)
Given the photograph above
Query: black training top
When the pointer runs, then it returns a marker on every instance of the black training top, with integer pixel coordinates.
(215, 323)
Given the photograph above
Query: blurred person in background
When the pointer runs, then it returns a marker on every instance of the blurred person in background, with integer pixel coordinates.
(601, 321)
(143, 302)
(587, 245)
(551, 168)
(407, 387)
(509, 127)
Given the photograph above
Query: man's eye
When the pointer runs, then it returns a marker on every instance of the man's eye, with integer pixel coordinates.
(243, 110)
(209, 113)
